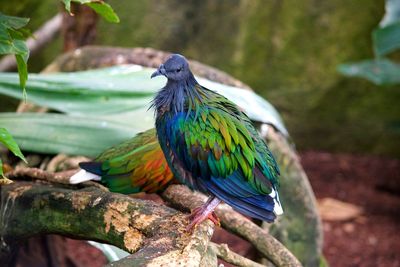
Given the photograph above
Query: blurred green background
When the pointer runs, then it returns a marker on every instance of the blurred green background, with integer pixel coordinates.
(287, 51)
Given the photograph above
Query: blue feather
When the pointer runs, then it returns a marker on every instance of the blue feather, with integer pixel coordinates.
(242, 205)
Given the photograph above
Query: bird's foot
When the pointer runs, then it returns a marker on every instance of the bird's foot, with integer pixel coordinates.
(203, 213)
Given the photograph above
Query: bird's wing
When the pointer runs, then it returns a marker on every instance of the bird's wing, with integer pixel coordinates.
(216, 147)
(137, 165)
(264, 160)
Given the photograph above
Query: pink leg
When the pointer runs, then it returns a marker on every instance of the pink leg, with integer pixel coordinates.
(204, 212)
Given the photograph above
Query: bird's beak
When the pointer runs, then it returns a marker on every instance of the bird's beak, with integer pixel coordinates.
(159, 71)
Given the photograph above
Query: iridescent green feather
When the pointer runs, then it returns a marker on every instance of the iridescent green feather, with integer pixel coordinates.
(231, 140)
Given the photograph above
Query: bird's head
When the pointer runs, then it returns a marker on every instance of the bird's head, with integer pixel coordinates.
(176, 68)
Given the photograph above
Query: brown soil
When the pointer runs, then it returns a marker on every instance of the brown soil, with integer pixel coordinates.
(373, 183)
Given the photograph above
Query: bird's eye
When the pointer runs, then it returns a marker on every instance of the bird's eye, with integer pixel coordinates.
(178, 70)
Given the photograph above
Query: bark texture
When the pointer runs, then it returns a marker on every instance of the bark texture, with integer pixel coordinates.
(154, 233)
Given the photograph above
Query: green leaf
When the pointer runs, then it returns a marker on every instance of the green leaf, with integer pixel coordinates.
(104, 10)
(23, 72)
(58, 133)
(99, 6)
(16, 47)
(386, 39)
(13, 22)
(85, 93)
(12, 38)
(9, 142)
(67, 4)
(380, 72)
(4, 35)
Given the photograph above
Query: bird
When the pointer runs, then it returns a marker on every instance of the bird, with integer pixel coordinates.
(211, 146)
(134, 166)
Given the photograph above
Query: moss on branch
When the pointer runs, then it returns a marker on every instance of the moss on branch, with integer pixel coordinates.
(153, 233)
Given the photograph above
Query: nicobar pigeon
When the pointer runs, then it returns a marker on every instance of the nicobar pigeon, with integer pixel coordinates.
(212, 146)
(204, 141)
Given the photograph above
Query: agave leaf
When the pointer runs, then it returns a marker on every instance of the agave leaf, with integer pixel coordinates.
(121, 92)
(93, 92)
(59, 133)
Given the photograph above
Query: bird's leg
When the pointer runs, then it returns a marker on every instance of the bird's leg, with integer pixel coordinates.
(204, 212)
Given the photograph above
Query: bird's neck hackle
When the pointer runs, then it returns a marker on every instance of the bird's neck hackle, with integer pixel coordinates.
(178, 96)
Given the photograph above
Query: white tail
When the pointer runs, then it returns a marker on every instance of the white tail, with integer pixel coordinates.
(83, 176)
(277, 203)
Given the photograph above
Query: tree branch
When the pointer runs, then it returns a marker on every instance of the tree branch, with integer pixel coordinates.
(183, 198)
(138, 226)
(223, 252)
(58, 177)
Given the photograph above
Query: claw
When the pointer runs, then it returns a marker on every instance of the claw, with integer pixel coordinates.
(203, 213)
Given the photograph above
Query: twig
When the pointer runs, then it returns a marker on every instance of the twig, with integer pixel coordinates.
(39, 174)
(223, 252)
(58, 177)
(183, 197)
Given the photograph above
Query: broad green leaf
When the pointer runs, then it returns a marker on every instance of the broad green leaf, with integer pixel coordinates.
(122, 92)
(7, 140)
(20, 34)
(58, 133)
(86, 93)
(4, 35)
(386, 39)
(17, 47)
(12, 42)
(380, 72)
(6, 47)
(13, 22)
(392, 14)
(104, 10)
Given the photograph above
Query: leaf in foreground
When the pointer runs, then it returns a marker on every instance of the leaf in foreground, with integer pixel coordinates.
(12, 41)
(7, 139)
